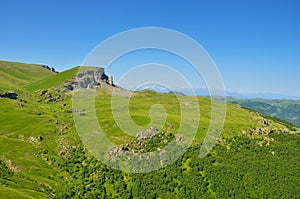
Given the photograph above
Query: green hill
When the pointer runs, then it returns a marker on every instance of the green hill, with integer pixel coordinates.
(41, 155)
(15, 75)
(53, 80)
(288, 110)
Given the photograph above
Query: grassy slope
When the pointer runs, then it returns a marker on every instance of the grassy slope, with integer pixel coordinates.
(36, 166)
(18, 124)
(237, 118)
(288, 110)
(21, 120)
(52, 81)
(15, 75)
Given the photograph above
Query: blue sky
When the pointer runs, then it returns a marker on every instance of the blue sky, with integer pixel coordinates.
(255, 44)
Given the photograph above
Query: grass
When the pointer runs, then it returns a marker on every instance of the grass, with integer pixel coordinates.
(18, 124)
(14, 75)
(237, 119)
(52, 81)
(36, 177)
(288, 110)
(10, 193)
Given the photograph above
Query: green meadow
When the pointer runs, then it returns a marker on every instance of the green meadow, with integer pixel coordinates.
(42, 155)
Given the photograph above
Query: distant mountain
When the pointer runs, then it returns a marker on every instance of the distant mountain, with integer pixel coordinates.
(266, 95)
(288, 110)
(206, 92)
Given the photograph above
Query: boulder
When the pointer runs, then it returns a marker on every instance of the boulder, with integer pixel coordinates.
(9, 95)
(69, 87)
(179, 139)
(265, 122)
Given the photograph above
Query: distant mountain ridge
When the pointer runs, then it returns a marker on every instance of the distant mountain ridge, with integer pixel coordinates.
(266, 95)
(288, 110)
(206, 92)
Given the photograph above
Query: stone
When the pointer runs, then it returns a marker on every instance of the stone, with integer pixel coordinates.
(111, 82)
(69, 87)
(43, 92)
(49, 68)
(149, 133)
(265, 122)
(82, 114)
(258, 131)
(179, 139)
(22, 100)
(90, 78)
(168, 134)
(115, 151)
(9, 95)
(51, 100)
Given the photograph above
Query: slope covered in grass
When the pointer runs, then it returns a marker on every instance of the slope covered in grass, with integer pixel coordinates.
(288, 110)
(41, 155)
(53, 80)
(15, 75)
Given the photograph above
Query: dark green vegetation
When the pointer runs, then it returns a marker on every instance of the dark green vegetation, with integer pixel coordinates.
(41, 155)
(288, 110)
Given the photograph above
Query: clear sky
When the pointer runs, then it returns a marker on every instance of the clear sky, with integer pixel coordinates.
(254, 43)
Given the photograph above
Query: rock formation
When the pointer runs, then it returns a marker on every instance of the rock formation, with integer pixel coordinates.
(111, 82)
(90, 78)
(149, 133)
(49, 68)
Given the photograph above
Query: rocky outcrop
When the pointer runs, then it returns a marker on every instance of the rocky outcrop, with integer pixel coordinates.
(49, 68)
(149, 133)
(90, 78)
(116, 151)
(69, 87)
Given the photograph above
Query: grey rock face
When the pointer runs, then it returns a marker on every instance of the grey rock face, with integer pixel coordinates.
(90, 78)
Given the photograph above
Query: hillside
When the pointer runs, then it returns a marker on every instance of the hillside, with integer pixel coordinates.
(53, 80)
(16, 75)
(288, 110)
(41, 155)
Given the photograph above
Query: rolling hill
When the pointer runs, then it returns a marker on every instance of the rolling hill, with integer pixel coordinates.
(52, 80)
(288, 110)
(42, 156)
(14, 75)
